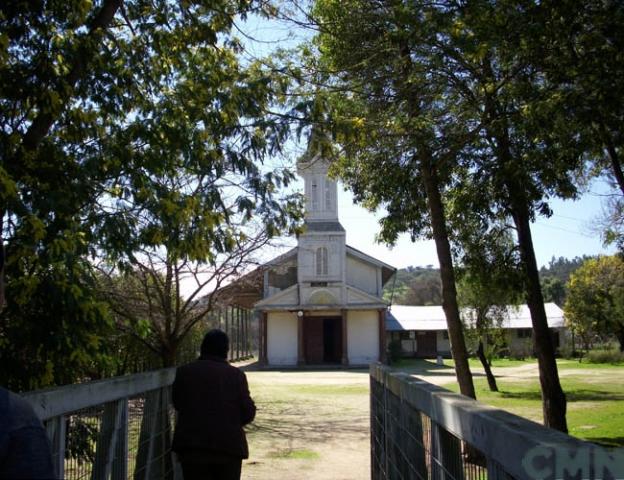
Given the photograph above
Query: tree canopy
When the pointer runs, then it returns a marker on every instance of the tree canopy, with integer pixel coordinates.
(595, 302)
(127, 125)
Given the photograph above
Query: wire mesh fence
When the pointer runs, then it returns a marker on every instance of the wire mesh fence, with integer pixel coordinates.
(407, 445)
(113, 429)
(423, 432)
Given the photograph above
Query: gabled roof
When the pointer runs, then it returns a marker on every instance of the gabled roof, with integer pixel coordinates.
(249, 288)
(407, 317)
(386, 270)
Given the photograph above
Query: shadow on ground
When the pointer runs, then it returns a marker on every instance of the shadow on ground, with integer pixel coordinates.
(580, 395)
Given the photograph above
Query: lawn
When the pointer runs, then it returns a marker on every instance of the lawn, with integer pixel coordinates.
(595, 393)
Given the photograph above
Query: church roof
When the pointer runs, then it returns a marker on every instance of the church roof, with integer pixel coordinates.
(323, 226)
(408, 317)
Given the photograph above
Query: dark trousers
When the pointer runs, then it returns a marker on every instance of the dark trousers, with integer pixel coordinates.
(230, 470)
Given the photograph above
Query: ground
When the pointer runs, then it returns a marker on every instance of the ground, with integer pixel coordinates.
(309, 425)
(314, 424)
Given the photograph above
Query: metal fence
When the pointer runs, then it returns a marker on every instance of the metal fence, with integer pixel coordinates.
(116, 428)
(421, 431)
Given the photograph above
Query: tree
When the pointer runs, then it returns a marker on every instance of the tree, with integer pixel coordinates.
(458, 84)
(580, 52)
(125, 123)
(161, 298)
(489, 286)
(400, 144)
(595, 302)
(50, 332)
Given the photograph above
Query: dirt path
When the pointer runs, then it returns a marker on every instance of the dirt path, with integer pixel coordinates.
(444, 376)
(310, 425)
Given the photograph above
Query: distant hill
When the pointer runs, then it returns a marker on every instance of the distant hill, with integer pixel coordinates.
(555, 276)
(421, 285)
(415, 286)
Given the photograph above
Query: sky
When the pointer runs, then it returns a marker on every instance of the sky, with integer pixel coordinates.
(567, 233)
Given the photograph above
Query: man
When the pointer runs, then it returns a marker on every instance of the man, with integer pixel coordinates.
(24, 446)
(213, 403)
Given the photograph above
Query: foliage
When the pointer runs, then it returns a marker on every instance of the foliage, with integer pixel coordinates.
(584, 59)
(605, 356)
(162, 300)
(51, 332)
(124, 126)
(415, 286)
(489, 287)
(555, 276)
(449, 98)
(595, 303)
(398, 130)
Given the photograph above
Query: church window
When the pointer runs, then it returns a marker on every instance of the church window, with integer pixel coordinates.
(314, 195)
(328, 194)
(321, 261)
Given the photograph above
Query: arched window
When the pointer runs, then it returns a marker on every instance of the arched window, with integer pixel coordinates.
(321, 261)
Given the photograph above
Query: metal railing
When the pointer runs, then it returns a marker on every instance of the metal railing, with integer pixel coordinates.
(116, 428)
(421, 431)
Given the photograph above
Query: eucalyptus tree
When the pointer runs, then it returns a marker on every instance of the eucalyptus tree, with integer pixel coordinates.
(401, 141)
(100, 102)
(581, 52)
(444, 93)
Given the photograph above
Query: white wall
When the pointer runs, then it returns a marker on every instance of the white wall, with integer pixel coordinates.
(363, 336)
(282, 338)
(443, 344)
(361, 275)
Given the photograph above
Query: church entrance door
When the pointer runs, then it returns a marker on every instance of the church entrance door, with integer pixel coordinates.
(322, 340)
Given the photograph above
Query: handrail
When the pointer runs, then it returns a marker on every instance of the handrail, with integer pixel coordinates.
(513, 446)
(52, 402)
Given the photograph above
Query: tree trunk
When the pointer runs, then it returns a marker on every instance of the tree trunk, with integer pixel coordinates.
(2, 257)
(620, 336)
(447, 275)
(169, 355)
(616, 166)
(553, 398)
(486, 366)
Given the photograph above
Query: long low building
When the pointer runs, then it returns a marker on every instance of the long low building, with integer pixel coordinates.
(423, 333)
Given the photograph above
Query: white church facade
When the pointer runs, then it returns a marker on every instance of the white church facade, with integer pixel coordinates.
(321, 302)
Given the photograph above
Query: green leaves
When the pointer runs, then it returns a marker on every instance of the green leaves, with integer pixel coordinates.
(595, 301)
(130, 131)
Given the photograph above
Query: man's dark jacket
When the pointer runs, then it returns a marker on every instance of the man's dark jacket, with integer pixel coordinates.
(213, 403)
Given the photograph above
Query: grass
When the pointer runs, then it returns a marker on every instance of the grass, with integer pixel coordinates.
(595, 399)
(300, 454)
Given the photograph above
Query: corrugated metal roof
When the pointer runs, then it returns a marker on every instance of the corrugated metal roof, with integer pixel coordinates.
(406, 317)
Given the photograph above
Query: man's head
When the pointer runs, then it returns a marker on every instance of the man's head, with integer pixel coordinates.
(215, 343)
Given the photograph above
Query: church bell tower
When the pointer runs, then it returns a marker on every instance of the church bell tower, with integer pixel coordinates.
(322, 250)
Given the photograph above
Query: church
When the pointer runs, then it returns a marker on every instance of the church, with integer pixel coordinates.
(321, 302)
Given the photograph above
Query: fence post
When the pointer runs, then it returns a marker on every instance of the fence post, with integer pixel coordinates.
(154, 455)
(111, 453)
(56, 429)
(238, 355)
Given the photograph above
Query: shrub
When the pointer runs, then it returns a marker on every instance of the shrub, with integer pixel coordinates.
(605, 356)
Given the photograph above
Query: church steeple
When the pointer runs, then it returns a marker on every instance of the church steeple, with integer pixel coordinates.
(321, 254)
(321, 192)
